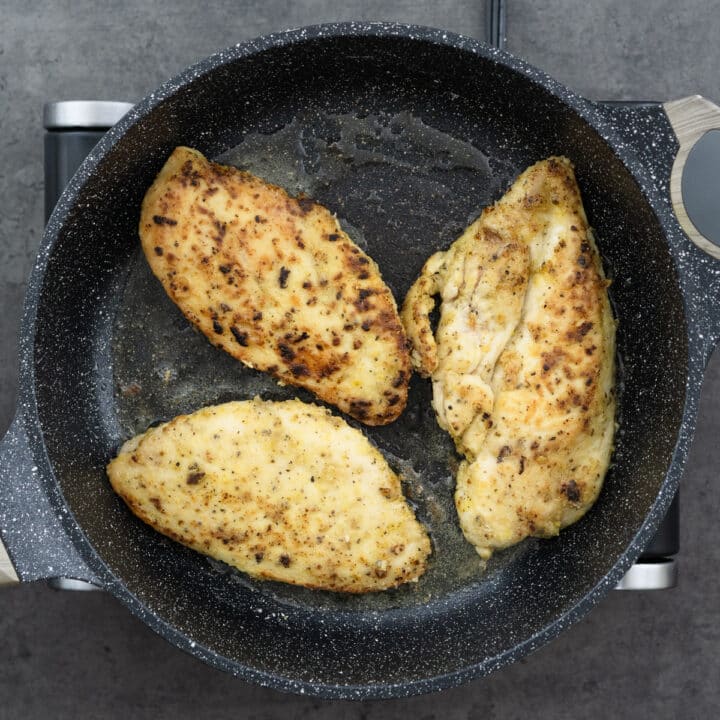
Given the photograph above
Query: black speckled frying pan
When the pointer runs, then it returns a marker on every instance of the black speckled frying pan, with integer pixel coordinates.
(405, 133)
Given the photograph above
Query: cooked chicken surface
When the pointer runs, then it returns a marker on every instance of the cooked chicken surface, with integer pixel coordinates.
(274, 281)
(522, 361)
(281, 490)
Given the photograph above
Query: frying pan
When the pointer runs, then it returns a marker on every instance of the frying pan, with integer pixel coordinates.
(405, 133)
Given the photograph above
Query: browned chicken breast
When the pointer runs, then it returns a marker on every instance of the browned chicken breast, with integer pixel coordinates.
(281, 490)
(522, 362)
(274, 281)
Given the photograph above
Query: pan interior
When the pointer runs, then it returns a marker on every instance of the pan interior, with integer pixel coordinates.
(370, 171)
(406, 141)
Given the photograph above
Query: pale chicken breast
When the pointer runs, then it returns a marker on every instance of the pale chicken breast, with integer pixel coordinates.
(280, 490)
(274, 281)
(481, 281)
(522, 362)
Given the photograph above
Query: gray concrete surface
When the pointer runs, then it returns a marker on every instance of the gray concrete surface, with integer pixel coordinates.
(66, 655)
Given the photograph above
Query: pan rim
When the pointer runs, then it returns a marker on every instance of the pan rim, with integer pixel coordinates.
(588, 112)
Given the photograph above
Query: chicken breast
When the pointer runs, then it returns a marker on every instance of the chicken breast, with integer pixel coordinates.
(274, 281)
(522, 361)
(260, 486)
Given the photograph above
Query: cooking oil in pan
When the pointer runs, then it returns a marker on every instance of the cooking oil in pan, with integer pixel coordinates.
(402, 190)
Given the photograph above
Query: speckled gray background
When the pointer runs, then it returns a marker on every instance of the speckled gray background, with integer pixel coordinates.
(82, 655)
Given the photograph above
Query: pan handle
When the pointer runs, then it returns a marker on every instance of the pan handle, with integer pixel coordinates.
(8, 576)
(34, 544)
(696, 172)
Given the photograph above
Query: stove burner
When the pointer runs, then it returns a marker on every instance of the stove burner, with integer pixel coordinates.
(74, 128)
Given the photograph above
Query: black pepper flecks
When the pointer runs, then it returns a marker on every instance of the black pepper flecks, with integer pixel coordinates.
(284, 273)
(162, 220)
(286, 352)
(240, 336)
(194, 477)
(572, 491)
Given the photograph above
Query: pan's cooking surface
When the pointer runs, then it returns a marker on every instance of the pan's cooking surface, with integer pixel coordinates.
(432, 127)
(403, 190)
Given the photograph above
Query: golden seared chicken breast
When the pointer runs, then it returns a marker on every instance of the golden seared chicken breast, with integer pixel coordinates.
(522, 360)
(280, 490)
(274, 281)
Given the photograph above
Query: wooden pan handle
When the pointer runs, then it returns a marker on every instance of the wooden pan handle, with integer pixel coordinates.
(692, 118)
(8, 576)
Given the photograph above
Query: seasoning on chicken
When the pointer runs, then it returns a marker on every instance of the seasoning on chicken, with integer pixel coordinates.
(522, 361)
(274, 281)
(281, 490)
